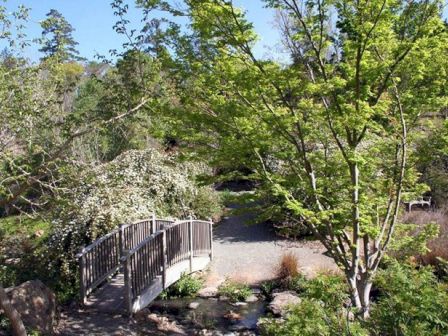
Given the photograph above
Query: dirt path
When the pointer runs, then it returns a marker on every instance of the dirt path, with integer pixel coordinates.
(250, 253)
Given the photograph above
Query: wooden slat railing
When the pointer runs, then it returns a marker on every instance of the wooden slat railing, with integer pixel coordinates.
(202, 238)
(98, 261)
(178, 242)
(143, 264)
(146, 249)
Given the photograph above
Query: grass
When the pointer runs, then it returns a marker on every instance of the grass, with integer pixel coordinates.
(234, 291)
(14, 226)
(288, 267)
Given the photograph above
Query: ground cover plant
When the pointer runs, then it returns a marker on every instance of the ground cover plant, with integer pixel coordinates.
(234, 291)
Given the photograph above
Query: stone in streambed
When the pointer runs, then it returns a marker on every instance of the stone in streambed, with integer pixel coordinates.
(193, 305)
(282, 301)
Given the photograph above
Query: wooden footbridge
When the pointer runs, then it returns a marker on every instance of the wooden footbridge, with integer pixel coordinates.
(129, 267)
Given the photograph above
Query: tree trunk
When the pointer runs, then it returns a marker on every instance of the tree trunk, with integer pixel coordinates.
(18, 329)
(360, 294)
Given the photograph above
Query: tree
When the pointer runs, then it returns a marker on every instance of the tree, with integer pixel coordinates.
(338, 122)
(57, 38)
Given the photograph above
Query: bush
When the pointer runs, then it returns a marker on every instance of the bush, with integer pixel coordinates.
(131, 187)
(234, 291)
(412, 302)
(186, 286)
(311, 318)
(436, 253)
(330, 289)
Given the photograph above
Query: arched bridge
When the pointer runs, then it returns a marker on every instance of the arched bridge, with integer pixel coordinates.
(129, 267)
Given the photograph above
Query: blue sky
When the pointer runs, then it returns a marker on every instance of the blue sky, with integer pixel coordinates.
(93, 21)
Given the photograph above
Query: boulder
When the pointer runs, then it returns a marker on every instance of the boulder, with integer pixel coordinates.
(36, 304)
(252, 298)
(193, 305)
(208, 292)
(281, 302)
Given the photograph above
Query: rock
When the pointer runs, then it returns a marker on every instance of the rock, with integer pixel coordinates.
(231, 315)
(281, 301)
(193, 305)
(252, 298)
(163, 324)
(223, 298)
(238, 327)
(36, 304)
(256, 291)
(239, 304)
(208, 292)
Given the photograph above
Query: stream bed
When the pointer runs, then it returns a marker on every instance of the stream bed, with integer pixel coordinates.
(211, 314)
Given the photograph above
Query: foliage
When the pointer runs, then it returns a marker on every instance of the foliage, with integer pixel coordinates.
(310, 318)
(432, 161)
(267, 287)
(57, 39)
(412, 302)
(329, 289)
(234, 291)
(362, 73)
(187, 286)
(133, 186)
(433, 251)
(21, 243)
(412, 240)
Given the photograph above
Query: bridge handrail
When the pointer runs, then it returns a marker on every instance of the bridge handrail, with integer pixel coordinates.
(93, 269)
(156, 251)
(139, 246)
(89, 247)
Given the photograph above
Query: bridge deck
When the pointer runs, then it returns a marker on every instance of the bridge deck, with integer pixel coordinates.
(109, 298)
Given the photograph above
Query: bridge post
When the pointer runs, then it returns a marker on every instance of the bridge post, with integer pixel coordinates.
(120, 240)
(165, 257)
(211, 238)
(153, 223)
(82, 272)
(127, 283)
(190, 236)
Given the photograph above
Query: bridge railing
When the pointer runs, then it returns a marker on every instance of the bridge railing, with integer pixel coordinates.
(202, 238)
(145, 266)
(178, 242)
(98, 261)
(146, 249)
(134, 233)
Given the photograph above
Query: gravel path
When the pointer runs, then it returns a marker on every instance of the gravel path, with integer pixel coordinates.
(250, 253)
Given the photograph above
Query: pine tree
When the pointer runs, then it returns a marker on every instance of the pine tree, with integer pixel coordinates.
(57, 39)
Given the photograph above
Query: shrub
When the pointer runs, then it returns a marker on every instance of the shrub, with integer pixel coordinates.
(437, 247)
(328, 288)
(412, 302)
(234, 291)
(131, 187)
(267, 287)
(311, 318)
(186, 286)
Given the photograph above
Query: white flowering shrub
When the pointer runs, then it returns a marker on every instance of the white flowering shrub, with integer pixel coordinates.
(131, 187)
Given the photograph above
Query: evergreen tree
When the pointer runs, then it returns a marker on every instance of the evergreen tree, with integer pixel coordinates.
(57, 39)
